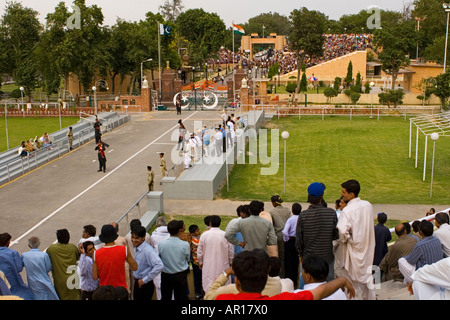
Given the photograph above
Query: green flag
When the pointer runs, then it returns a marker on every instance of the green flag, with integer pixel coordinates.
(165, 30)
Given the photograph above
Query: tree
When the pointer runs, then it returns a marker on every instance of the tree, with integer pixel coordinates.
(442, 89)
(396, 42)
(19, 33)
(330, 93)
(171, 9)
(349, 77)
(303, 80)
(204, 31)
(306, 36)
(273, 23)
(392, 97)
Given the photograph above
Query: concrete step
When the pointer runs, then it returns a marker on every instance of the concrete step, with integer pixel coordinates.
(390, 290)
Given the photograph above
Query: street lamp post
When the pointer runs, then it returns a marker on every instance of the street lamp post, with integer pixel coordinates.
(142, 70)
(371, 84)
(285, 136)
(21, 95)
(446, 7)
(434, 136)
(94, 88)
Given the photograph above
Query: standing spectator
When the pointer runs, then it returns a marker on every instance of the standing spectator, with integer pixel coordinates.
(175, 254)
(382, 237)
(257, 232)
(402, 247)
(64, 257)
(150, 178)
(89, 234)
(194, 241)
(316, 229)
(181, 135)
(159, 234)
(70, 138)
(101, 148)
(443, 231)
(87, 283)
(214, 253)
(426, 251)
(218, 143)
(356, 241)
(109, 261)
(38, 265)
(291, 261)
(279, 215)
(12, 265)
(149, 265)
(242, 213)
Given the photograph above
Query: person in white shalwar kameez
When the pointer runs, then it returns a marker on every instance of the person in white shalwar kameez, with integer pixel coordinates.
(214, 253)
(432, 281)
(356, 242)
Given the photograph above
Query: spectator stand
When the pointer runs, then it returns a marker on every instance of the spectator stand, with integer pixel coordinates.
(13, 166)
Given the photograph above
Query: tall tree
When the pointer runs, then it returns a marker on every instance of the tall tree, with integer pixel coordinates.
(171, 9)
(19, 33)
(396, 42)
(204, 31)
(306, 36)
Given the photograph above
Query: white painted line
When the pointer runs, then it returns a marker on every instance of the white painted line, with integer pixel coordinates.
(92, 186)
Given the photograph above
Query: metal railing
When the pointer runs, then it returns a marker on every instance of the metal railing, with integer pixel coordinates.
(126, 215)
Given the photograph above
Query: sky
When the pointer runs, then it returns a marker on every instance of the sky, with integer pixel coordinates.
(237, 11)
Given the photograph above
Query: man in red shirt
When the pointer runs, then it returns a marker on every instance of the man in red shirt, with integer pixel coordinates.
(251, 269)
(109, 261)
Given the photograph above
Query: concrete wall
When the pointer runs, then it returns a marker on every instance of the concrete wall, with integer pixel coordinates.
(202, 180)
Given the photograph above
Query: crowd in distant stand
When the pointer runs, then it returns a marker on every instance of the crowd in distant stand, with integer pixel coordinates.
(335, 45)
(275, 253)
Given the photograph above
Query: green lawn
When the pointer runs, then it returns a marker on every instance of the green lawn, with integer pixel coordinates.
(375, 152)
(20, 129)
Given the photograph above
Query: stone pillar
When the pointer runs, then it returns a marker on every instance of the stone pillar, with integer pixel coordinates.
(168, 86)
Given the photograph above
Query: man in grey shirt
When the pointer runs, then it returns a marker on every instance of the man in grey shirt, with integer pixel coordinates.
(257, 232)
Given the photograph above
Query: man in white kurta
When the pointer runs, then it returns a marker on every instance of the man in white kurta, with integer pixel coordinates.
(432, 281)
(214, 253)
(356, 242)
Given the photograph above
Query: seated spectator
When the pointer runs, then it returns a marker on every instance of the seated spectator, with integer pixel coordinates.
(314, 273)
(426, 251)
(46, 143)
(432, 281)
(415, 227)
(23, 151)
(287, 285)
(402, 247)
(443, 231)
(251, 269)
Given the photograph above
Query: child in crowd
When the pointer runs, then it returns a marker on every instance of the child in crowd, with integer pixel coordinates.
(194, 231)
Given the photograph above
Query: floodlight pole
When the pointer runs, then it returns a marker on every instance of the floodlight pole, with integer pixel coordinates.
(434, 137)
(447, 10)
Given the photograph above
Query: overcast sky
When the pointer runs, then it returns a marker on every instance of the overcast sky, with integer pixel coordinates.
(238, 11)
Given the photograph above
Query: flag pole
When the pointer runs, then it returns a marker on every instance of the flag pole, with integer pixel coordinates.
(234, 95)
(159, 60)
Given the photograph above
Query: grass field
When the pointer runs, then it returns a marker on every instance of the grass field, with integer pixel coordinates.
(375, 152)
(20, 129)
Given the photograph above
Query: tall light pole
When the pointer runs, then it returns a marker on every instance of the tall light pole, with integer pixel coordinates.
(285, 136)
(446, 7)
(142, 70)
(94, 88)
(434, 136)
(21, 95)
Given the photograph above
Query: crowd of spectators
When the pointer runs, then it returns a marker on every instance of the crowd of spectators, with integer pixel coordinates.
(335, 45)
(336, 254)
(27, 147)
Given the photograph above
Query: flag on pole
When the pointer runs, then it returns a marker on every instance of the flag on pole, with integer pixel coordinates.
(165, 30)
(238, 29)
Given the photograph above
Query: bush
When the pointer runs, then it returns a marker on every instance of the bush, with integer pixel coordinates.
(394, 97)
(291, 86)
